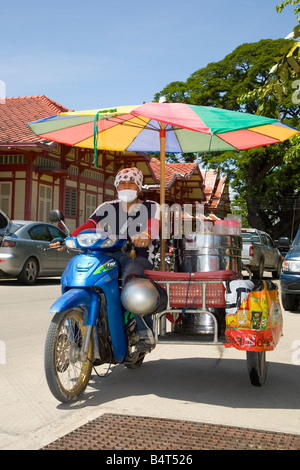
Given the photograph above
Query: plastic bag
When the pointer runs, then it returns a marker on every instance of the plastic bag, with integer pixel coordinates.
(255, 322)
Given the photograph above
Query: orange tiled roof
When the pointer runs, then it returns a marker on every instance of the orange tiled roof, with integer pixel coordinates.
(172, 170)
(182, 168)
(214, 184)
(16, 112)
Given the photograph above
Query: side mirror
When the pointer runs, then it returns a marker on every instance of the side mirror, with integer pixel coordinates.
(56, 216)
(283, 242)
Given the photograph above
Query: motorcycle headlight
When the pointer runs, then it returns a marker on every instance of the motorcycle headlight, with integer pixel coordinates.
(291, 266)
(70, 243)
(87, 239)
(108, 243)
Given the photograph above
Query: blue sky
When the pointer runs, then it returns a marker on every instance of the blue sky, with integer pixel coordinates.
(94, 53)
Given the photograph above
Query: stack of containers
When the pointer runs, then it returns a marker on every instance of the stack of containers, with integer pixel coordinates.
(227, 227)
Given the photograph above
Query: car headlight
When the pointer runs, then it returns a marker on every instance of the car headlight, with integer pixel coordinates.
(291, 266)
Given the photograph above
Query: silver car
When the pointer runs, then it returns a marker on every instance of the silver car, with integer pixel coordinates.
(23, 252)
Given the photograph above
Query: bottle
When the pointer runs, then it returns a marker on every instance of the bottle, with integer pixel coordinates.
(256, 310)
(265, 312)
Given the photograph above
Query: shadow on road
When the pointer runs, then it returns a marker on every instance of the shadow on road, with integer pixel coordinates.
(221, 382)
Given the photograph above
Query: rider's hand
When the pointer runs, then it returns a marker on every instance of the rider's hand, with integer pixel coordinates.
(141, 241)
(56, 244)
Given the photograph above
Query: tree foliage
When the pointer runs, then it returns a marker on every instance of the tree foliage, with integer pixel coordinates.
(265, 179)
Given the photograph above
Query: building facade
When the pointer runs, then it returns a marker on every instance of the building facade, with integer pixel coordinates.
(37, 175)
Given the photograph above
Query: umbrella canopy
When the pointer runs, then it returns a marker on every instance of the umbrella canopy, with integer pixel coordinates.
(188, 128)
(162, 127)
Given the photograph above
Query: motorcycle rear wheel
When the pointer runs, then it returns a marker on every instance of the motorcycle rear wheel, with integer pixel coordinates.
(257, 367)
(67, 375)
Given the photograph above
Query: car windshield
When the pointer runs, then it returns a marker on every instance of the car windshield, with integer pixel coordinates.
(15, 226)
(250, 237)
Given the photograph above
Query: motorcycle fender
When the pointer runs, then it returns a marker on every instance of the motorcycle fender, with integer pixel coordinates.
(86, 299)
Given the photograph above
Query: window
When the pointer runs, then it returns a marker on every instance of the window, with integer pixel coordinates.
(71, 203)
(12, 159)
(40, 232)
(45, 202)
(269, 241)
(5, 198)
(90, 204)
(55, 232)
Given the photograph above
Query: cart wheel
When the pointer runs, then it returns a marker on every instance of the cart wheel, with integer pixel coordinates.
(257, 367)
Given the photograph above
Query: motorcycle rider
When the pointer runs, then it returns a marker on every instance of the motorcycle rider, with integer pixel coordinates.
(131, 218)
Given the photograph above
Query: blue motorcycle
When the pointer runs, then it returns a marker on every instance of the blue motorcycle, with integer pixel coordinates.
(90, 326)
(94, 320)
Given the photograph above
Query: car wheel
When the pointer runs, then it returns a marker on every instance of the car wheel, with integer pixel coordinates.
(276, 274)
(289, 301)
(260, 272)
(29, 273)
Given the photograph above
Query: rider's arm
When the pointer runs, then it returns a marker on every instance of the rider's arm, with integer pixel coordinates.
(152, 229)
(88, 224)
(153, 224)
(94, 221)
(60, 241)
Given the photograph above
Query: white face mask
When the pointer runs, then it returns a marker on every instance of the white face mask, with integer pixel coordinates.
(127, 195)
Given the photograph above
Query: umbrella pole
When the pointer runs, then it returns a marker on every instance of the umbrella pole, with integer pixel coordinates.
(162, 194)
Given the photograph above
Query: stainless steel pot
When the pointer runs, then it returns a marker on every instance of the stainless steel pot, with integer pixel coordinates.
(203, 252)
(201, 323)
(198, 324)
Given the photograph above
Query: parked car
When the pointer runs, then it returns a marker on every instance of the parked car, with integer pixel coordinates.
(260, 254)
(22, 250)
(290, 276)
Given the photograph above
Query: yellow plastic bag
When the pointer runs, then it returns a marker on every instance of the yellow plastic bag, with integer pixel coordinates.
(257, 323)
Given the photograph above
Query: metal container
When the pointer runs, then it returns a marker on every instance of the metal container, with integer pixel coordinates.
(197, 324)
(203, 252)
(201, 323)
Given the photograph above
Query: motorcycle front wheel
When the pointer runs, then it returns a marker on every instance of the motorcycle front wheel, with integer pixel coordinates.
(66, 372)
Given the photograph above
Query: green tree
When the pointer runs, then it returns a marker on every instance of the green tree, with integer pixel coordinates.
(262, 178)
(221, 83)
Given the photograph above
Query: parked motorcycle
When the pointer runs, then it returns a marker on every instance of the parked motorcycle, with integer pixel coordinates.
(90, 326)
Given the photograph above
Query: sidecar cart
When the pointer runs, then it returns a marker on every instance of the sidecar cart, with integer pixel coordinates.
(220, 308)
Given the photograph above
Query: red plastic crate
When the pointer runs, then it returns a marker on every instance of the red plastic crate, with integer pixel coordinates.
(183, 294)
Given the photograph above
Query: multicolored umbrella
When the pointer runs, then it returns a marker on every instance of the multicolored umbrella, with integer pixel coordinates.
(163, 127)
(188, 128)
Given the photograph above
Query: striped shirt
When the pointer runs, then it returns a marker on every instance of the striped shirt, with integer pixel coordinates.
(144, 217)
